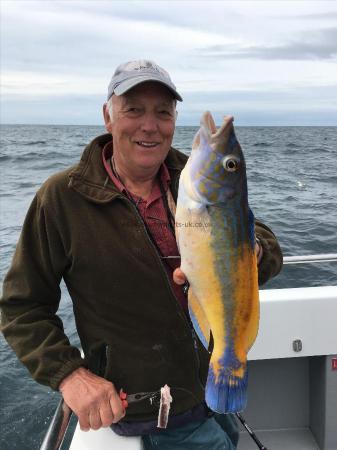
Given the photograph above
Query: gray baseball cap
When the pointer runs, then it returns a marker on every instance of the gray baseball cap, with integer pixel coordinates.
(132, 73)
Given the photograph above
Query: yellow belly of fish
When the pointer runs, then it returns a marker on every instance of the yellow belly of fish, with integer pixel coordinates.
(207, 298)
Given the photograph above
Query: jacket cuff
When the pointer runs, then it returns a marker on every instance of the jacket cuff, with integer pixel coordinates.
(271, 261)
(66, 370)
(272, 258)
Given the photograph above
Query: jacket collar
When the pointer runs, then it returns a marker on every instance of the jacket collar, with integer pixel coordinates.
(89, 177)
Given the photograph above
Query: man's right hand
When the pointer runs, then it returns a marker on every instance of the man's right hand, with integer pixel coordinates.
(93, 399)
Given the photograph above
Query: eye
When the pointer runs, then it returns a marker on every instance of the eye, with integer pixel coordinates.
(231, 163)
(165, 112)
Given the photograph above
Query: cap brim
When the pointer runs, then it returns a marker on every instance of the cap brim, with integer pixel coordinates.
(126, 85)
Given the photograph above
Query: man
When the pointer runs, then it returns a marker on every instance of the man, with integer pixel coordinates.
(105, 227)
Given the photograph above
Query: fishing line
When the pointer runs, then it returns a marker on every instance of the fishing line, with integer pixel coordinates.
(251, 432)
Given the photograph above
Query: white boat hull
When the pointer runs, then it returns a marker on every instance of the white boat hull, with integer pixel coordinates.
(292, 392)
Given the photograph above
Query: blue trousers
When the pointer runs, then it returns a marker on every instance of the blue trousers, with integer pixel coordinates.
(206, 434)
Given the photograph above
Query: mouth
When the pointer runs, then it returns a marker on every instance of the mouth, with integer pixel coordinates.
(147, 144)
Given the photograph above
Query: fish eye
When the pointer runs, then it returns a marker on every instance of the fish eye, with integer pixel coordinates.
(231, 163)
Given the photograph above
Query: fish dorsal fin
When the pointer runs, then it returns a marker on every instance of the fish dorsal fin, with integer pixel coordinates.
(199, 319)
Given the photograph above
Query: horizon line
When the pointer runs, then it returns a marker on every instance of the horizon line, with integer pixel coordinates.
(177, 126)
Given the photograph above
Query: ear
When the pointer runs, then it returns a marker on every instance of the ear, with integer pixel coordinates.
(107, 119)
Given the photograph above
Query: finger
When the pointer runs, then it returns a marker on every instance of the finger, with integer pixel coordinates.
(125, 404)
(95, 420)
(106, 414)
(83, 420)
(179, 276)
(122, 394)
(117, 408)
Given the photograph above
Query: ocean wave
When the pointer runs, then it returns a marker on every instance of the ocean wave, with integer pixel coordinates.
(26, 184)
(261, 144)
(8, 194)
(33, 142)
(42, 155)
(55, 165)
(293, 145)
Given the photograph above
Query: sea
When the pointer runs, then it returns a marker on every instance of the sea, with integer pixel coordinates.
(292, 182)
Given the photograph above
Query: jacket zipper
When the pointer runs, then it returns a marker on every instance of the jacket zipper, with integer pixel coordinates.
(178, 306)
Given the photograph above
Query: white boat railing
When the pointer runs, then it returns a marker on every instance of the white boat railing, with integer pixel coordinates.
(60, 421)
(324, 257)
(57, 428)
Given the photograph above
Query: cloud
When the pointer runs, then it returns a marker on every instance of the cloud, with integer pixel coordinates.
(182, 14)
(321, 44)
(316, 17)
(244, 56)
(51, 38)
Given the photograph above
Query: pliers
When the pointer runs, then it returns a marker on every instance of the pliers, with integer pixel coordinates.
(138, 397)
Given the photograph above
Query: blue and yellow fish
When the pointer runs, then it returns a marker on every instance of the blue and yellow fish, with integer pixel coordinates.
(215, 234)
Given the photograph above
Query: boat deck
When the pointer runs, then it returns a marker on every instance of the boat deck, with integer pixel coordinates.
(294, 439)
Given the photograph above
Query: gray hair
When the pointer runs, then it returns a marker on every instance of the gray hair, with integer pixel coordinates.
(109, 106)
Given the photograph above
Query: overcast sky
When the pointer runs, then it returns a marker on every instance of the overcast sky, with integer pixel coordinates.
(265, 62)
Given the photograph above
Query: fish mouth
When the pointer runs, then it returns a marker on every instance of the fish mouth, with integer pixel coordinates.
(208, 123)
(217, 139)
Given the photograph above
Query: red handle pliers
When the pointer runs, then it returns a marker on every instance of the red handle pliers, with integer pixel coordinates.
(135, 398)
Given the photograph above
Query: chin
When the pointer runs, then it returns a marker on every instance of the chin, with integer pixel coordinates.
(149, 165)
(147, 161)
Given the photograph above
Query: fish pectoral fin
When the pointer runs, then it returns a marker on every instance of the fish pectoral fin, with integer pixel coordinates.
(199, 319)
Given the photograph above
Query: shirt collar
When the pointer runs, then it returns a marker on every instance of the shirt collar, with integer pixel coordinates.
(106, 156)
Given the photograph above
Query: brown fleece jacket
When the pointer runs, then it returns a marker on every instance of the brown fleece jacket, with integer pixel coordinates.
(79, 227)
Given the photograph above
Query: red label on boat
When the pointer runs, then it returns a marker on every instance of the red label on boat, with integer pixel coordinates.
(334, 364)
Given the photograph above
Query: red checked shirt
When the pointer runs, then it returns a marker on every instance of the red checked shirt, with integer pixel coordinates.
(155, 217)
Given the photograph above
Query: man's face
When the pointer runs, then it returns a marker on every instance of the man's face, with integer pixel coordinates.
(142, 126)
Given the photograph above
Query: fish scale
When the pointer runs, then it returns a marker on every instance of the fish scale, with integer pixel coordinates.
(215, 234)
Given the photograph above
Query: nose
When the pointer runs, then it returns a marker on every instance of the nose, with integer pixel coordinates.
(149, 123)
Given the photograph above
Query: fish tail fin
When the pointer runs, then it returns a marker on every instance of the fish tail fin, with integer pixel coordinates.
(199, 319)
(227, 393)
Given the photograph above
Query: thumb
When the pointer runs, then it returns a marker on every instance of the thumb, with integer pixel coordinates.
(179, 276)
